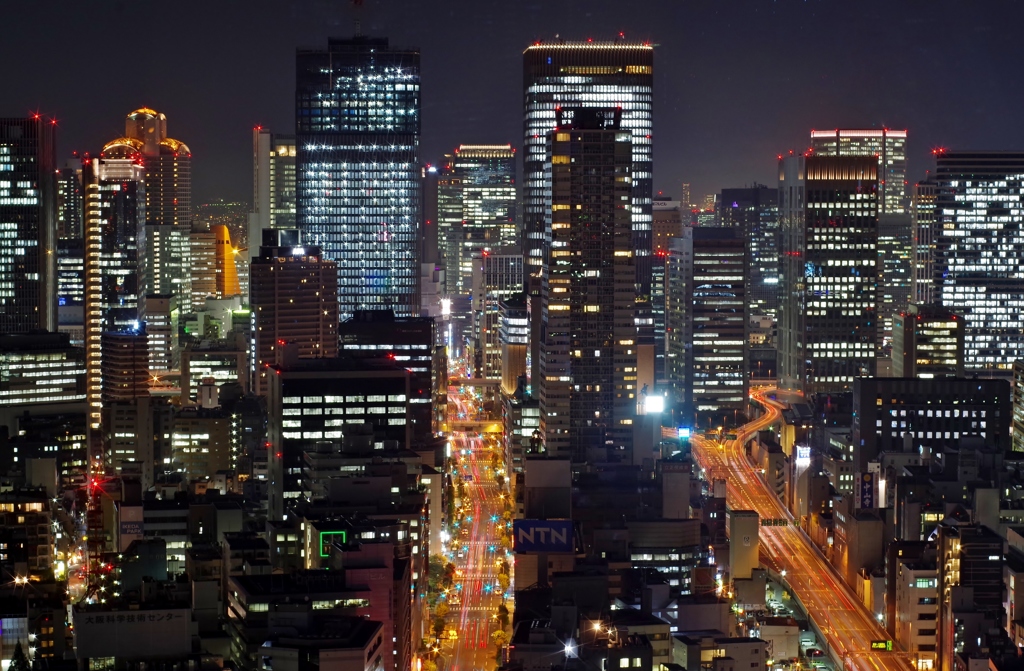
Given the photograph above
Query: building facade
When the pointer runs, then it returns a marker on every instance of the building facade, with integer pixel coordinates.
(478, 188)
(925, 233)
(114, 265)
(357, 106)
(588, 358)
(886, 144)
(564, 74)
(928, 341)
(709, 322)
(273, 184)
(977, 272)
(293, 298)
(828, 311)
(28, 224)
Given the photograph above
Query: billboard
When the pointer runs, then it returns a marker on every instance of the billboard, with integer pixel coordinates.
(866, 490)
(543, 535)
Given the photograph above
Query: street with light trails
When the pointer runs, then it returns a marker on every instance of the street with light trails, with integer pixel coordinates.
(476, 548)
(847, 626)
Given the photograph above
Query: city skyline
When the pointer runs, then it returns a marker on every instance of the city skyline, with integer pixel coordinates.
(708, 144)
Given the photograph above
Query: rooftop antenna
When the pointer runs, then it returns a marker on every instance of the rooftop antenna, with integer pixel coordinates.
(358, 5)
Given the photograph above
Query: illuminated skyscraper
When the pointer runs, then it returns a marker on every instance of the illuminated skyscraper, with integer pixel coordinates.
(497, 274)
(707, 321)
(227, 271)
(114, 265)
(168, 182)
(925, 233)
(887, 145)
(755, 211)
(588, 358)
(168, 164)
(357, 110)
(895, 233)
(203, 266)
(478, 186)
(69, 200)
(169, 263)
(980, 211)
(273, 185)
(28, 225)
(828, 304)
(587, 74)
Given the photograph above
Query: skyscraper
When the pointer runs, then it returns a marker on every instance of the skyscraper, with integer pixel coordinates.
(169, 263)
(69, 200)
(168, 188)
(28, 225)
(497, 274)
(828, 303)
(925, 233)
(293, 296)
(980, 211)
(114, 265)
(667, 224)
(588, 357)
(895, 234)
(587, 74)
(168, 164)
(707, 322)
(886, 144)
(478, 187)
(273, 185)
(357, 110)
(755, 212)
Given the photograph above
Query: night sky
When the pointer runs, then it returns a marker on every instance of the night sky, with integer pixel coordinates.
(736, 81)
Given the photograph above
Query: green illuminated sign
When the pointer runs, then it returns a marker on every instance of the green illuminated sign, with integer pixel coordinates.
(882, 645)
(327, 537)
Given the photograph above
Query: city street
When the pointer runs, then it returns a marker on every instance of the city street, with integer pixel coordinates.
(849, 628)
(478, 556)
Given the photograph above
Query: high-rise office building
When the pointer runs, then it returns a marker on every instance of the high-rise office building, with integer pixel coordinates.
(114, 265)
(379, 336)
(39, 369)
(706, 321)
(886, 144)
(922, 209)
(357, 110)
(895, 226)
(496, 274)
(514, 335)
(896, 270)
(667, 224)
(293, 297)
(980, 211)
(70, 206)
(478, 187)
(273, 185)
(928, 341)
(28, 225)
(70, 272)
(167, 167)
(587, 74)
(169, 263)
(161, 315)
(203, 255)
(755, 211)
(588, 358)
(828, 304)
(168, 164)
